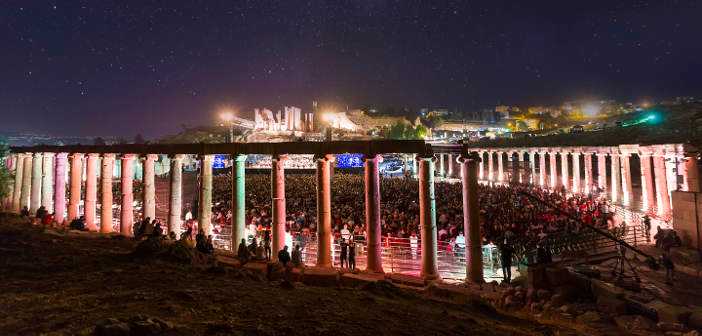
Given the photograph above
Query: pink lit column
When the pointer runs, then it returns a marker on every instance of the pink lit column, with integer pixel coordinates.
(627, 190)
(17, 188)
(427, 219)
(324, 223)
(691, 172)
(37, 169)
(662, 195)
(278, 198)
(500, 166)
(532, 165)
(175, 205)
(553, 168)
(491, 166)
(373, 215)
(26, 193)
(60, 188)
(149, 192)
(471, 219)
(47, 182)
(126, 221)
(616, 171)
(576, 172)
(647, 188)
(481, 169)
(76, 180)
(108, 164)
(90, 207)
(542, 169)
(204, 217)
(588, 171)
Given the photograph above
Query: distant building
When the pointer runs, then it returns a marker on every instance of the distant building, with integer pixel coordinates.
(289, 119)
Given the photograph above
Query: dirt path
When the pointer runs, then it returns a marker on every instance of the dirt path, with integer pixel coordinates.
(62, 284)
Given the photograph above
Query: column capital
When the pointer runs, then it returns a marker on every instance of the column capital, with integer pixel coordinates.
(151, 157)
(470, 157)
(576, 153)
(280, 157)
(127, 156)
(178, 157)
(109, 156)
(38, 155)
(239, 157)
(373, 157)
(49, 154)
(93, 155)
(77, 155)
(62, 155)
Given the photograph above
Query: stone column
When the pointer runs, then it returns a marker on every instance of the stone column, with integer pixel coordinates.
(47, 182)
(37, 168)
(442, 171)
(602, 170)
(427, 219)
(662, 195)
(175, 204)
(17, 188)
(588, 172)
(471, 219)
(691, 173)
(76, 181)
(449, 162)
(26, 193)
(565, 180)
(481, 168)
(204, 216)
(278, 206)
(127, 209)
(149, 192)
(500, 167)
(91, 191)
(576, 172)
(491, 166)
(324, 229)
(372, 193)
(532, 165)
(554, 172)
(238, 200)
(542, 169)
(627, 190)
(648, 196)
(108, 166)
(60, 188)
(415, 166)
(615, 170)
(520, 170)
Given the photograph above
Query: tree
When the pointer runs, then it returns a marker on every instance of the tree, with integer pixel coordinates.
(5, 175)
(404, 131)
(139, 139)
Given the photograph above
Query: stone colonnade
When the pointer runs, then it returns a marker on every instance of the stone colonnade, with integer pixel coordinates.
(32, 182)
(663, 168)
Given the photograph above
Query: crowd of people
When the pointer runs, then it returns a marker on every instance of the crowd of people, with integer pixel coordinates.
(507, 213)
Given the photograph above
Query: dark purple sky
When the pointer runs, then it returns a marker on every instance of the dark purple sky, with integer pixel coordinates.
(126, 67)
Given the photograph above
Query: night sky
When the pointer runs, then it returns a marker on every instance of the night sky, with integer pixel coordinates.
(126, 67)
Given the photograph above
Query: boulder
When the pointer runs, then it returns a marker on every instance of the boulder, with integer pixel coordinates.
(611, 305)
(674, 327)
(635, 324)
(557, 276)
(543, 295)
(669, 313)
(589, 317)
(557, 300)
(111, 327)
(568, 309)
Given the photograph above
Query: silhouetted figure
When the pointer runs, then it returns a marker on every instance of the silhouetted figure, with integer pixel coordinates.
(297, 256)
(77, 224)
(243, 252)
(352, 255)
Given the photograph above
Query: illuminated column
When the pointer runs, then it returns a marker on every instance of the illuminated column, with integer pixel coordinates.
(449, 162)
(74, 190)
(576, 172)
(626, 178)
(442, 171)
(175, 205)
(532, 165)
(60, 188)
(17, 188)
(602, 170)
(565, 180)
(238, 200)
(500, 167)
(26, 193)
(554, 171)
(37, 168)
(204, 216)
(588, 171)
(649, 198)
(520, 170)
(491, 166)
(108, 166)
(471, 219)
(278, 207)
(324, 227)
(427, 219)
(149, 192)
(481, 171)
(690, 170)
(661, 180)
(90, 205)
(542, 168)
(47, 182)
(415, 166)
(615, 170)
(373, 215)
(127, 210)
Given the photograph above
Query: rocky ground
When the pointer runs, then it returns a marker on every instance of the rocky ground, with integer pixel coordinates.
(67, 283)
